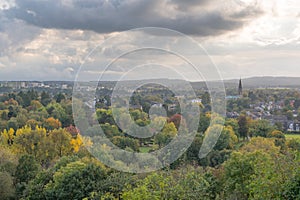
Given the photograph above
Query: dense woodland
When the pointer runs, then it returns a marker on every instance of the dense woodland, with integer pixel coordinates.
(42, 155)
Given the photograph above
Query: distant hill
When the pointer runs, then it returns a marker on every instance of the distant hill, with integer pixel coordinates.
(253, 82)
(266, 82)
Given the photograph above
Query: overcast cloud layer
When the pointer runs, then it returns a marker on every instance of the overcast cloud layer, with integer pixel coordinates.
(48, 40)
(200, 17)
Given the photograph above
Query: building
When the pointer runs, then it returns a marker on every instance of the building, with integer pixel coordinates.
(240, 88)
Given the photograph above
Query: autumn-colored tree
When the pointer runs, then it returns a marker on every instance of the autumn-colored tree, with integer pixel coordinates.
(51, 124)
(72, 130)
(77, 143)
(7, 137)
(176, 119)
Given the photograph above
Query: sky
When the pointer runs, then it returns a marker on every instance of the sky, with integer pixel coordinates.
(57, 40)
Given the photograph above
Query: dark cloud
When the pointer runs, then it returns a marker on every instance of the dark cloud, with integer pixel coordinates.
(186, 5)
(118, 15)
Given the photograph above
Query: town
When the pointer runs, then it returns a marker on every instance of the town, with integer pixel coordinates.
(279, 106)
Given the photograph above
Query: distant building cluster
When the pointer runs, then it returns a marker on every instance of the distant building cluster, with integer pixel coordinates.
(35, 84)
(265, 110)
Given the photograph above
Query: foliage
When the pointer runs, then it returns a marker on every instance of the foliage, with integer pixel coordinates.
(76, 180)
(243, 126)
(169, 131)
(7, 190)
(42, 154)
(189, 184)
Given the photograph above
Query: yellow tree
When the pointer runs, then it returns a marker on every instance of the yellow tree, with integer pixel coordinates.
(62, 142)
(30, 141)
(7, 137)
(76, 143)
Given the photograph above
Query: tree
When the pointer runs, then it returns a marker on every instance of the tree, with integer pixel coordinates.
(204, 122)
(206, 98)
(234, 124)
(59, 97)
(51, 124)
(76, 180)
(238, 173)
(261, 128)
(176, 119)
(155, 186)
(260, 143)
(243, 126)
(62, 142)
(12, 123)
(257, 171)
(56, 111)
(35, 105)
(193, 151)
(36, 143)
(168, 133)
(227, 139)
(32, 123)
(8, 160)
(7, 137)
(35, 188)
(7, 189)
(45, 98)
(76, 143)
(73, 130)
(26, 170)
(292, 188)
(104, 116)
(189, 184)
(124, 142)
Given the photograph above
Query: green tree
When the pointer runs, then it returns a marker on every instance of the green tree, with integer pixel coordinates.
(26, 170)
(7, 189)
(204, 122)
(227, 139)
(76, 180)
(189, 184)
(104, 116)
(45, 98)
(124, 142)
(168, 133)
(292, 188)
(261, 128)
(243, 126)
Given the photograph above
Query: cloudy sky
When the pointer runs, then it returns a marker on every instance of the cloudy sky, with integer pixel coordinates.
(50, 40)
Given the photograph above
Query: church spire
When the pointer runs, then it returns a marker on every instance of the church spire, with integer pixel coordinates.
(240, 87)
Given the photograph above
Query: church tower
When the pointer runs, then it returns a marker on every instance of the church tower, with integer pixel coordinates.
(240, 88)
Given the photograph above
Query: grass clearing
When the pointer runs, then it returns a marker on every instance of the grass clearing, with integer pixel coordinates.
(292, 136)
(145, 149)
